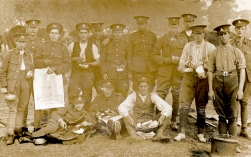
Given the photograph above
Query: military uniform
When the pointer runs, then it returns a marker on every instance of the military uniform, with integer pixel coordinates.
(140, 46)
(224, 62)
(189, 38)
(189, 18)
(13, 77)
(168, 75)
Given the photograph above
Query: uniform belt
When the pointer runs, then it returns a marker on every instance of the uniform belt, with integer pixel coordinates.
(225, 73)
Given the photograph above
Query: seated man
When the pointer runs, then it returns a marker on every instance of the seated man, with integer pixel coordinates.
(105, 109)
(68, 123)
(143, 117)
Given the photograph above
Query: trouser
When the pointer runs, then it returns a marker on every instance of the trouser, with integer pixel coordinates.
(163, 86)
(226, 106)
(122, 86)
(81, 82)
(52, 126)
(17, 106)
(244, 104)
(193, 87)
(136, 74)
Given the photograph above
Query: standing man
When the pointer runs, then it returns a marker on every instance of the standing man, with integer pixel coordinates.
(114, 60)
(54, 56)
(244, 44)
(84, 56)
(139, 109)
(166, 53)
(188, 22)
(225, 87)
(194, 84)
(140, 46)
(15, 77)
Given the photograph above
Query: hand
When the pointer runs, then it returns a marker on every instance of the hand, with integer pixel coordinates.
(51, 70)
(130, 120)
(4, 90)
(175, 59)
(77, 59)
(29, 74)
(106, 41)
(161, 119)
(211, 95)
(47, 62)
(168, 60)
(62, 123)
(239, 95)
(105, 76)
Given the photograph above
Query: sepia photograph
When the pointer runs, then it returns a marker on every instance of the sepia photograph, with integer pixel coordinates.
(125, 78)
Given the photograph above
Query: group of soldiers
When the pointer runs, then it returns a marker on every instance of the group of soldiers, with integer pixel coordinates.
(124, 75)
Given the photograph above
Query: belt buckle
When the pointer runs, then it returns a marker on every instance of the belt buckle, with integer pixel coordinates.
(225, 73)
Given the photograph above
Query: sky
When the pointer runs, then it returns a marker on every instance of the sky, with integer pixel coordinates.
(242, 4)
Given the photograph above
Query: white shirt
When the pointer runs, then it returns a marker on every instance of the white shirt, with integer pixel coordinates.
(129, 102)
(22, 62)
(83, 46)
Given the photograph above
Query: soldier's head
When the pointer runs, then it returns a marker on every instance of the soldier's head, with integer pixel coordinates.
(79, 102)
(173, 23)
(83, 31)
(223, 33)
(21, 40)
(32, 27)
(117, 31)
(143, 84)
(188, 20)
(54, 30)
(97, 29)
(107, 86)
(141, 22)
(240, 26)
(198, 32)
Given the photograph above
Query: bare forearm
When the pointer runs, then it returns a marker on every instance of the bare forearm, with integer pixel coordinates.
(210, 80)
(242, 79)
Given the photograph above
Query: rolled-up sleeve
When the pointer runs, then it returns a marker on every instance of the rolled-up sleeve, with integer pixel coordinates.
(95, 52)
(211, 61)
(127, 105)
(241, 62)
(163, 106)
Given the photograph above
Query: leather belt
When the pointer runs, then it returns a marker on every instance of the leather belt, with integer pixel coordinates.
(225, 73)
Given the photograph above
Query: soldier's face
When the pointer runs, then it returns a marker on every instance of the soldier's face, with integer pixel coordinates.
(97, 33)
(198, 37)
(240, 30)
(173, 28)
(83, 34)
(188, 24)
(143, 88)
(20, 45)
(79, 105)
(54, 35)
(117, 35)
(141, 26)
(224, 37)
(32, 31)
(107, 91)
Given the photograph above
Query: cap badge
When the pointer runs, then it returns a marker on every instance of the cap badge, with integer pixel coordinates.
(239, 21)
(22, 36)
(221, 29)
(140, 18)
(79, 98)
(33, 22)
(188, 16)
(117, 26)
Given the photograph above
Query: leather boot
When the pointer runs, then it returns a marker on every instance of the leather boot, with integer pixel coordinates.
(10, 139)
(159, 137)
(245, 134)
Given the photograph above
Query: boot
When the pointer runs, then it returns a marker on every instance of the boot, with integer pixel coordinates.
(113, 129)
(10, 139)
(174, 126)
(25, 131)
(245, 134)
(159, 137)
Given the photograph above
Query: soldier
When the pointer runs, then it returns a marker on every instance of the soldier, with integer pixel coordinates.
(244, 44)
(140, 46)
(15, 78)
(114, 60)
(193, 64)
(188, 22)
(224, 62)
(67, 120)
(166, 53)
(54, 56)
(139, 107)
(106, 104)
(84, 56)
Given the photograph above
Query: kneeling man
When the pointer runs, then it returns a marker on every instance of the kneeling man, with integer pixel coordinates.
(139, 113)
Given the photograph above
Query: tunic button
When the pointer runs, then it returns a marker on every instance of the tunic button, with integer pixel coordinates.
(15, 77)
(144, 46)
(116, 49)
(116, 54)
(143, 40)
(32, 41)
(32, 47)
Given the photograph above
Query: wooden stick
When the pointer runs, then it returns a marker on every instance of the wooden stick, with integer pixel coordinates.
(208, 123)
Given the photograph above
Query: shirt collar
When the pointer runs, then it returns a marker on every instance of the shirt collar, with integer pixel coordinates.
(18, 52)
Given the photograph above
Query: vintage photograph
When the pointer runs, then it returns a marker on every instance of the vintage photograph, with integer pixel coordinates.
(125, 78)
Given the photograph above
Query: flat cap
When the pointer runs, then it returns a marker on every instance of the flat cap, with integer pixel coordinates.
(57, 26)
(198, 29)
(173, 20)
(107, 83)
(78, 98)
(97, 25)
(240, 22)
(144, 78)
(117, 27)
(21, 36)
(141, 18)
(85, 26)
(32, 23)
(188, 17)
(222, 28)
